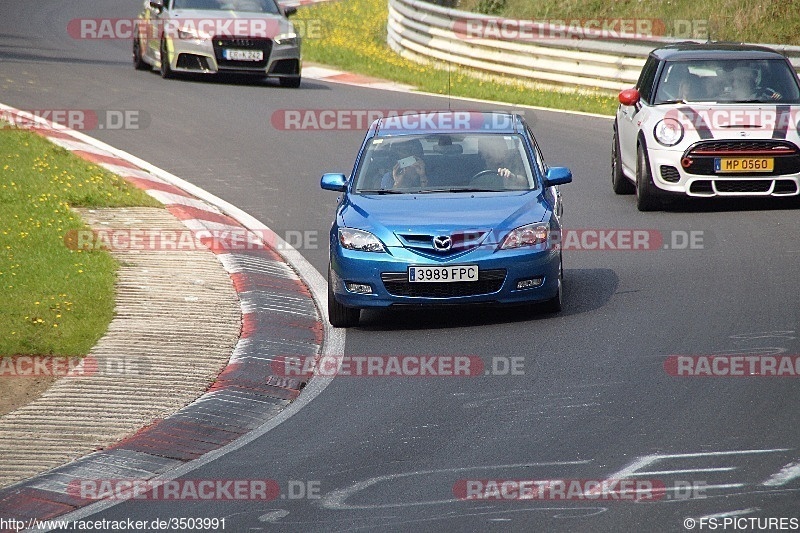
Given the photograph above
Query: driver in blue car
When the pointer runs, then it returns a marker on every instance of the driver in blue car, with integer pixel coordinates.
(497, 157)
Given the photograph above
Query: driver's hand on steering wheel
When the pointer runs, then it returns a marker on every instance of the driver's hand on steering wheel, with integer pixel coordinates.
(509, 178)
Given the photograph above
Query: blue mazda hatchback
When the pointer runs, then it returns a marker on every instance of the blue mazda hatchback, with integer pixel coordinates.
(446, 208)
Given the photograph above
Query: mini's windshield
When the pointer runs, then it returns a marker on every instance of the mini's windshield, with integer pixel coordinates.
(250, 6)
(463, 162)
(734, 81)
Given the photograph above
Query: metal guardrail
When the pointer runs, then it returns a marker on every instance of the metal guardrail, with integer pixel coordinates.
(425, 32)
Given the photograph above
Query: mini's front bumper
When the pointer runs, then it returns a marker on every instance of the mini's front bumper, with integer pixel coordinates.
(669, 176)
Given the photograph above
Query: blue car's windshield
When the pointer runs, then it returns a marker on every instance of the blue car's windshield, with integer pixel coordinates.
(427, 163)
(766, 81)
(250, 6)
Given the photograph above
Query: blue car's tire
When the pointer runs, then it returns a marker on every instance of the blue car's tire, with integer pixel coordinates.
(554, 304)
(340, 316)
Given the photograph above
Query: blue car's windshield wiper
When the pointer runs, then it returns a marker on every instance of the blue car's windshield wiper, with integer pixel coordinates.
(463, 189)
(380, 191)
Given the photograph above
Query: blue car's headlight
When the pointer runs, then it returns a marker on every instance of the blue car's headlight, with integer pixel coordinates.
(530, 235)
(356, 239)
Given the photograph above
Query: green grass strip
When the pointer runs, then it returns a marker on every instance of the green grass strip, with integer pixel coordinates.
(55, 301)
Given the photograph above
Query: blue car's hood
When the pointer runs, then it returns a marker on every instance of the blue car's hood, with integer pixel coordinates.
(387, 216)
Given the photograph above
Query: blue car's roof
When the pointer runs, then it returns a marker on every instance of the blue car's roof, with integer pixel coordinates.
(447, 122)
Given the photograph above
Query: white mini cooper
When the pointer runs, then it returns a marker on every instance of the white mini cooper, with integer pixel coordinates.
(708, 120)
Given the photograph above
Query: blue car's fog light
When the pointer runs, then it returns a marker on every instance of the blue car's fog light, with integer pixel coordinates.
(359, 288)
(529, 283)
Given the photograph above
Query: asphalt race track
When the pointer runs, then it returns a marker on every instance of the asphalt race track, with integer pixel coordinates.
(594, 400)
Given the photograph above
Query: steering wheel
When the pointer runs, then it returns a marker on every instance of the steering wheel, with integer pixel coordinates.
(483, 173)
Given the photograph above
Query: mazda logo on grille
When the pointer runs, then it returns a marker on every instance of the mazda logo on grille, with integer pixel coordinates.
(442, 243)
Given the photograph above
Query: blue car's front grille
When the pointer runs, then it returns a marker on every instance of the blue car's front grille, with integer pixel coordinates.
(489, 281)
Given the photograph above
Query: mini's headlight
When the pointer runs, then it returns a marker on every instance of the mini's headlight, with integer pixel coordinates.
(286, 39)
(530, 235)
(668, 132)
(356, 239)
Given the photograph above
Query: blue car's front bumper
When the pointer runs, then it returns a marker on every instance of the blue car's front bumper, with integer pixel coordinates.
(505, 268)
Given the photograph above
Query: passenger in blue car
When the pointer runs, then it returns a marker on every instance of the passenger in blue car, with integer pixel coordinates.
(409, 170)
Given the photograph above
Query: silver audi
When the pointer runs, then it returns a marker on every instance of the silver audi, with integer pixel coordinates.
(251, 37)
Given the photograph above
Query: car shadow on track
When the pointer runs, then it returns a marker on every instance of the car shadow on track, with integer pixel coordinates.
(243, 80)
(713, 205)
(585, 289)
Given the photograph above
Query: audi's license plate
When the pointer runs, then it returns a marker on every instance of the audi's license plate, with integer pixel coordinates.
(442, 274)
(243, 55)
(723, 165)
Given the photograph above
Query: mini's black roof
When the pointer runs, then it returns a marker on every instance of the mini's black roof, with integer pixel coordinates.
(718, 50)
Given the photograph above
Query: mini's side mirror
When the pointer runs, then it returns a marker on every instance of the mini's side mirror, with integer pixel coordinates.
(557, 176)
(629, 97)
(288, 11)
(334, 182)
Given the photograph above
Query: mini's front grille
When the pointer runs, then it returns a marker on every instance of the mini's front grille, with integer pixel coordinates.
(241, 43)
(670, 174)
(786, 156)
(489, 281)
(743, 186)
(747, 148)
(701, 187)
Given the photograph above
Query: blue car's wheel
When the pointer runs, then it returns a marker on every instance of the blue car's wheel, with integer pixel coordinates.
(554, 304)
(340, 316)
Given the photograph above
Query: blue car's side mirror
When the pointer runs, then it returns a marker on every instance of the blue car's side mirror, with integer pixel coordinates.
(334, 182)
(557, 176)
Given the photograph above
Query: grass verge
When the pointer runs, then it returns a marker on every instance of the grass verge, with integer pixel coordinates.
(353, 38)
(56, 301)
